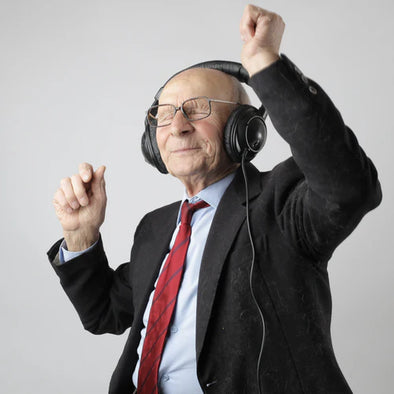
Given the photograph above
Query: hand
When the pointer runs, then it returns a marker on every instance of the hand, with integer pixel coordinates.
(261, 31)
(80, 206)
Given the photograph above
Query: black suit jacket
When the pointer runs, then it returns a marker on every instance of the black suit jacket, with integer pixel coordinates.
(299, 212)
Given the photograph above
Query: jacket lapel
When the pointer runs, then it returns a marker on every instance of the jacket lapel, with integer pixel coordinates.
(152, 257)
(225, 225)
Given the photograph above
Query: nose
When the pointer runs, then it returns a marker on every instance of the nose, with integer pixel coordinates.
(180, 125)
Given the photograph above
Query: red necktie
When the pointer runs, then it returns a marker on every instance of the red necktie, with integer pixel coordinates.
(163, 303)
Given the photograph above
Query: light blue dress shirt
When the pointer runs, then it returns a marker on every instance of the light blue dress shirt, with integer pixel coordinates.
(178, 367)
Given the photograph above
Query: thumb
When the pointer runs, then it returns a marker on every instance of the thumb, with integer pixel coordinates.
(98, 182)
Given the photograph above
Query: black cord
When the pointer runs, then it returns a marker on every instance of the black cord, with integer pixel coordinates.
(251, 272)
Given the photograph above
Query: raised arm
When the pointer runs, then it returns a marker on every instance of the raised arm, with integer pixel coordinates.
(340, 183)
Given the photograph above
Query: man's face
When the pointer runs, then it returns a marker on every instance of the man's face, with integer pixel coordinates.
(194, 151)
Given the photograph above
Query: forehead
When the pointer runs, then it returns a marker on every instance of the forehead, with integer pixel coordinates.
(198, 82)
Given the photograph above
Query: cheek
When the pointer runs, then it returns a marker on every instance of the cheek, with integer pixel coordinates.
(215, 145)
(214, 139)
(161, 142)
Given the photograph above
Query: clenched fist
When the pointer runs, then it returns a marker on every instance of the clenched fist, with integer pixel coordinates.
(80, 204)
(261, 31)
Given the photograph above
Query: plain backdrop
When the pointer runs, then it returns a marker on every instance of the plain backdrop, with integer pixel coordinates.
(76, 78)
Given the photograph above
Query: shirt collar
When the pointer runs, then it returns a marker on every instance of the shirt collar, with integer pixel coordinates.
(212, 194)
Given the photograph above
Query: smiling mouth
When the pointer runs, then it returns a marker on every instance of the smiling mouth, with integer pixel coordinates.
(184, 150)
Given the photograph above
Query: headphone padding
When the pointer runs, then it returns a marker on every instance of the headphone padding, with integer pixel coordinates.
(150, 149)
(235, 133)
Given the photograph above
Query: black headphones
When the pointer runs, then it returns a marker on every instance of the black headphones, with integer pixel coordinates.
(245, 132)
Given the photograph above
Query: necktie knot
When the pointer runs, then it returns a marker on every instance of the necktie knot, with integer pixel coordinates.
(188, 209)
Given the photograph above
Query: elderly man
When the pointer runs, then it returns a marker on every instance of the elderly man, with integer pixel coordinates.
(221, 299)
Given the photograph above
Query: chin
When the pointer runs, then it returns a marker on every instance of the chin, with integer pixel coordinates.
(182, 172)
(184, 168)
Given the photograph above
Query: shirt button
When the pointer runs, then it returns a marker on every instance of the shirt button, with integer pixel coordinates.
(174, 329)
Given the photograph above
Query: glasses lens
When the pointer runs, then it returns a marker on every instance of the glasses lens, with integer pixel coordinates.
(161, 115)
(197, 108)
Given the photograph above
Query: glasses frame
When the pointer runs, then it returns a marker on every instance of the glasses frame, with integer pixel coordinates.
(151, 120)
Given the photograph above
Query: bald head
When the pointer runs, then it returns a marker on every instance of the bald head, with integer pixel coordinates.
(208, 82)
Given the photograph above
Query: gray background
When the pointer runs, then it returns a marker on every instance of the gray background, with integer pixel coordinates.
(75, 80)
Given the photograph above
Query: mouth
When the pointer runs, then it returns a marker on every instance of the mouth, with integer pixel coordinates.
(183, 150)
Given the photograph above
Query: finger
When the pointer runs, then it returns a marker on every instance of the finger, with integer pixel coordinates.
(85, 172)
(270, 29)
(249, 20)
(79, 188)
(98, 183)
(69, 194)
(60, 202)
(263, 23)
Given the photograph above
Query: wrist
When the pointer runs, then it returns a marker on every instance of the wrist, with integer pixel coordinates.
(78, 241)
(260, 61)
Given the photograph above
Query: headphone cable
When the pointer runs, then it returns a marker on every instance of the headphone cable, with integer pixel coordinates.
(252, 270)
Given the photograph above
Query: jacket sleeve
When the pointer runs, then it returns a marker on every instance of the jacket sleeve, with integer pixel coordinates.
(340, 183)
(102, 296)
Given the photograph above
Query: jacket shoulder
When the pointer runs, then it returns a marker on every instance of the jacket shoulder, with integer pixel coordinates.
(163, 212)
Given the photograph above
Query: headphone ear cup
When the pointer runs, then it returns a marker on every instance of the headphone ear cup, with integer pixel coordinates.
(245, 130)
(150, 149)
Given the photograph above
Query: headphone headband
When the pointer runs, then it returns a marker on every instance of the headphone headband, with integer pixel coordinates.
(234, 69)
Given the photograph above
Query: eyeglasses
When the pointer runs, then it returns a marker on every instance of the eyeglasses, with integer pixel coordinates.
(195, 108)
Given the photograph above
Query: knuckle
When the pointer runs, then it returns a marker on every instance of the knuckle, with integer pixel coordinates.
(57, 204)
(75, 178)
(57, 194)
(65, 180)
(58, 198)
(85, 166)
(81, 197)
